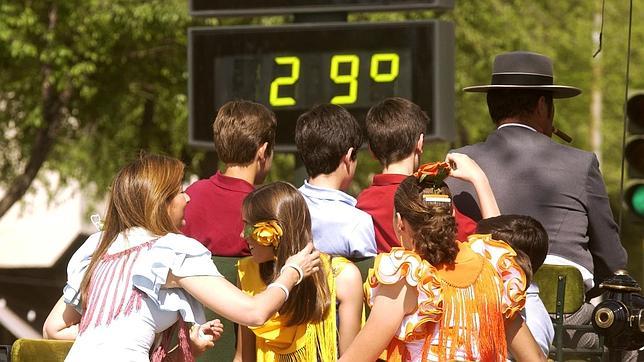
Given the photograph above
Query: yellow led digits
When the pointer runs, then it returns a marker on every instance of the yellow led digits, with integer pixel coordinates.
(351, 79)
(274, 98)
(344, 70)
(376, 59)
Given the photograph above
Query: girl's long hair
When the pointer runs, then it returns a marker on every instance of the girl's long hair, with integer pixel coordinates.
(308, 301)
(139, 196)
(432, 223)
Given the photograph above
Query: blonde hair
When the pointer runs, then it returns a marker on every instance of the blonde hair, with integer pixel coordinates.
(309, 301)
(139, 196)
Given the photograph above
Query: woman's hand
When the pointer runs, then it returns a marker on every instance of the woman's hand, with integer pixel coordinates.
(308, 259)
(464, 168)
(203, 337)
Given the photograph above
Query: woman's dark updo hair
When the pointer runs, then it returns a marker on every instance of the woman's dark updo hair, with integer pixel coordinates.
(432, 223)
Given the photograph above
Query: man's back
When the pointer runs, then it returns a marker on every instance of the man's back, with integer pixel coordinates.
(558, 185)
(338, 227)
(213, 215)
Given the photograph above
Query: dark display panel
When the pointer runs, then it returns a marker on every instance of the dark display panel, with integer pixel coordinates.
(263, 7)
(291, 68)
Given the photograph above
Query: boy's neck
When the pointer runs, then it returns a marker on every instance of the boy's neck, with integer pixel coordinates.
(406, 166)
(243, 172)
(329, 181)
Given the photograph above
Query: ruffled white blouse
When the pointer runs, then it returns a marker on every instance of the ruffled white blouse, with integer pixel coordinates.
(127, 302)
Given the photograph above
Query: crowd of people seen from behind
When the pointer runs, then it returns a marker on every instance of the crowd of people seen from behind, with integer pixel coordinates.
(455, 243)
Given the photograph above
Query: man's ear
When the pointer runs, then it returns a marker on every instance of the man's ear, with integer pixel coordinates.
(346, 159)
(543, 109)
(420, 144)
(260, 155)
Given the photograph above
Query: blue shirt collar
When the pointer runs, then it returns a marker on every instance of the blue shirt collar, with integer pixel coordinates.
(325, 193)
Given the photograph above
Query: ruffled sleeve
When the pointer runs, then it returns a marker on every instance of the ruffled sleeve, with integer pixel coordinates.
(182, 256)
(401, 264)
(76, 268)
(502, 257)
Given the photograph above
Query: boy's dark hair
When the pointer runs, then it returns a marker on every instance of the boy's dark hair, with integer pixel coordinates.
(393, 128)
(521, 232)
(323, 135)
(240, 128)
(512, 103)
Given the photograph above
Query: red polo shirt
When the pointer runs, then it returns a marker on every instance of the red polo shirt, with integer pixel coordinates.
(213, 215)
(377, 200)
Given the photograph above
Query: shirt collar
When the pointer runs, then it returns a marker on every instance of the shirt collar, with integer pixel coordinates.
(388, 179)
(532, 289)
(516, 125)
(231, 183)
(325, 193)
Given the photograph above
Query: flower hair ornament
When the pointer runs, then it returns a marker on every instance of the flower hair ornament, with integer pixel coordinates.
(265, 233)
(432, 175)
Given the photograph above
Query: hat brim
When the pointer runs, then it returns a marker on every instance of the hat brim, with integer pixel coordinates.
(558, 91)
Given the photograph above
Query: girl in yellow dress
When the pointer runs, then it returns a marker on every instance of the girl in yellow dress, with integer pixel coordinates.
(438, 299)
(306, 328)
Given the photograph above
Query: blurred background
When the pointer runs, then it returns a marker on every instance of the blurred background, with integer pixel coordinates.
(85, 85)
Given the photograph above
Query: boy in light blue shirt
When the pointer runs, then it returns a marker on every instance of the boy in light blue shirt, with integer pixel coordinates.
(328, 138)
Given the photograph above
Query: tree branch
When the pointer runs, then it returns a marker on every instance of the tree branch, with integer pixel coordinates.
(53, 104)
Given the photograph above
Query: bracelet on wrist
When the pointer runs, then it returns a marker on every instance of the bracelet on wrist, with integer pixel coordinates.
(297, 268)
(281, 286)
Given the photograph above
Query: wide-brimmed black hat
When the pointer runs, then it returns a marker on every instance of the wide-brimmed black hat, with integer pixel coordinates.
(524, 70)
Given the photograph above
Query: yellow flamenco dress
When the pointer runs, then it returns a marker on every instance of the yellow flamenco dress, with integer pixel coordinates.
(462, 307)
(276, 342)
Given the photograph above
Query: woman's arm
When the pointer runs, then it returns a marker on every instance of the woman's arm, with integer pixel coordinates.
(464, 168)
(62, 322)
(222, 297)
(245, 351)
(386, 315)
(520, 341)
(225, 299)
(349, 294)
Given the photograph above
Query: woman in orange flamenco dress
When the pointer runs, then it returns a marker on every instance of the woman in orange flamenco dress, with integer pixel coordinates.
(438, 299)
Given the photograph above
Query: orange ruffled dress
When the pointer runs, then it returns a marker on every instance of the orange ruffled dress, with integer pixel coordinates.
(461, 308)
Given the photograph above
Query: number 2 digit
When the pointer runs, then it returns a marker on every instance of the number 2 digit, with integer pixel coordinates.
(274, 98)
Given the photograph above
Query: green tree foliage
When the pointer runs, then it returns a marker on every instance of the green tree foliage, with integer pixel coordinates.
(86, 84)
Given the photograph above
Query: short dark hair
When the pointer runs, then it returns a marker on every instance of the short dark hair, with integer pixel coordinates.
(521, 232)
(512, 103)
(240, 128)
(323, 135)
(393, 128)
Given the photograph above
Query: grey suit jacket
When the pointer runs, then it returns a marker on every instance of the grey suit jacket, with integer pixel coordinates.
(558, 185)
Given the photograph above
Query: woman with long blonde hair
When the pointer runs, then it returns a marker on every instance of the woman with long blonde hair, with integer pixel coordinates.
(139, 276)
(278, 225)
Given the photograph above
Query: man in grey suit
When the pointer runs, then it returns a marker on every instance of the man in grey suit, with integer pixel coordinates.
(533, 175)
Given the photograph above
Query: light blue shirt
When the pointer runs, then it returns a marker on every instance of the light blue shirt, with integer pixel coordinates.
(537, 319)
(339, 228)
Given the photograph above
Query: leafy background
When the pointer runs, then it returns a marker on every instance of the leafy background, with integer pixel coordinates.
(85, 85)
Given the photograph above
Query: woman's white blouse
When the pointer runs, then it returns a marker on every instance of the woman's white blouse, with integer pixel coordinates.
(130, 303)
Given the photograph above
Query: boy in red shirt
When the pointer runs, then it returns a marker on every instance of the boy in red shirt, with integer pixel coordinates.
(244, 135)
(395, 130)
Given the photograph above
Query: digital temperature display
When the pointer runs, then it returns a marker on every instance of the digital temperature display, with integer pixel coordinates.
(294, 67)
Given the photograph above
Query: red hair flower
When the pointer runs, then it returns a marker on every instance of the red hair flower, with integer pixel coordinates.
(434, 172)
